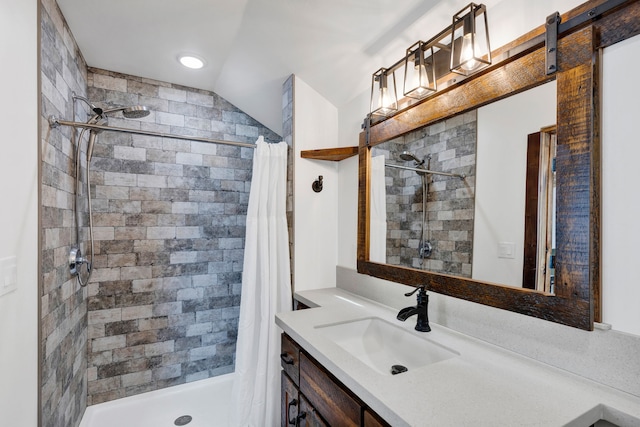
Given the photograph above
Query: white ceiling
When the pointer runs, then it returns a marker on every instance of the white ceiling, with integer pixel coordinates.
(251, 46)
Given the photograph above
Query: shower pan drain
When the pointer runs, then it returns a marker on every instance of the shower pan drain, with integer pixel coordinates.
(183, 420)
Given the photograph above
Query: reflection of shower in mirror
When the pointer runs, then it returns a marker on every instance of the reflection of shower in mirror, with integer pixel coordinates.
(429, 208)
(424, 247)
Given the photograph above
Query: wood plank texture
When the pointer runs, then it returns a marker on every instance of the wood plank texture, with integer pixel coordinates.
(372, 419)
(530, 272)
(309, 416)
(289, 400)
(291, 351)
(332, 154)
(337, 406)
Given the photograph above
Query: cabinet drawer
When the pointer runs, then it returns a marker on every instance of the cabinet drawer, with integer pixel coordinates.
(331, 400)
(290, 358)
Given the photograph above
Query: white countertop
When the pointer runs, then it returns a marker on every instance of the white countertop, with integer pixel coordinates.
(483, 386)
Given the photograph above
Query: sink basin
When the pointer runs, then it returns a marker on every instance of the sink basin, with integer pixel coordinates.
(384, 346)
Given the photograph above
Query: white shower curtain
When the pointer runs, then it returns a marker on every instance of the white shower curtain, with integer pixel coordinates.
(378, 214)
(266, 290)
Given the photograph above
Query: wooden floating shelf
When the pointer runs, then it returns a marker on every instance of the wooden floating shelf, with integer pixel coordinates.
(332, 154)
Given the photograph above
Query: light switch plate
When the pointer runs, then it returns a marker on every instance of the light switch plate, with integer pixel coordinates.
(8, 275)
(506, 250)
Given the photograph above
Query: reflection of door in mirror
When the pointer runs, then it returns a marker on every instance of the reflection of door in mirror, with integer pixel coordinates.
(539, 226)
(499, 219)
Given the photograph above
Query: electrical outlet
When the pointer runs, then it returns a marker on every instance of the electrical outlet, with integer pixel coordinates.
(8, 275)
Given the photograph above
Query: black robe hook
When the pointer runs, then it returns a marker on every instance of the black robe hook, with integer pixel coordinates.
(317, 185)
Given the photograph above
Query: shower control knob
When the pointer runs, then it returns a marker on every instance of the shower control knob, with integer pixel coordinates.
(75, 260)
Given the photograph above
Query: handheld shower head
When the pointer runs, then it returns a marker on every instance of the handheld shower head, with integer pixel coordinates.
(407, 156)
(92, 140)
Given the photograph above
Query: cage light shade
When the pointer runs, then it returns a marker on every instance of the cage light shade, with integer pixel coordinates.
(470, 49)
(384, 99)
(419, 71)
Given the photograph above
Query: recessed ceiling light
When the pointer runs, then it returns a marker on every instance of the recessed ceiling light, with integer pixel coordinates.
(191, 61)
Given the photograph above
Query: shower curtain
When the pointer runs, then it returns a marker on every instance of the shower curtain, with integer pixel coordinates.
(378, 215)
(266, 290)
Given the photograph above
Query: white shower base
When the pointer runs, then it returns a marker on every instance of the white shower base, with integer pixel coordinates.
(206, 401)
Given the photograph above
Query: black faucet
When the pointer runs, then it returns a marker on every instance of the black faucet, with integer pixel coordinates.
(422, 324)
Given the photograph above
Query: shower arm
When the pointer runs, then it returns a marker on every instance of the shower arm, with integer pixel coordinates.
(54, 123)
(426, 171)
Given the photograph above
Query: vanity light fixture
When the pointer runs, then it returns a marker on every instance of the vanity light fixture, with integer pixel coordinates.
(462, 47)
(419, 71)
(191, 61)
(470, 49)
(384, 98)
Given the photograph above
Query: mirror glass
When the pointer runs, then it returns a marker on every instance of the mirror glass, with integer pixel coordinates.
(486, 226)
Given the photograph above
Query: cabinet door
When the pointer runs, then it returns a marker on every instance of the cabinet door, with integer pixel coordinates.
(289, 403)
(308, 416)
(371, 419)
(334, 403)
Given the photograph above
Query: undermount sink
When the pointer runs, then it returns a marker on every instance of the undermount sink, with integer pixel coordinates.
(384, 346)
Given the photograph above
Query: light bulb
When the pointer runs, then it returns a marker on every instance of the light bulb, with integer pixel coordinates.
(385, 99)
(467, 61)
(420, 79)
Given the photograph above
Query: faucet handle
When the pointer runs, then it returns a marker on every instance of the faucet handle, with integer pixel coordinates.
(419, 288)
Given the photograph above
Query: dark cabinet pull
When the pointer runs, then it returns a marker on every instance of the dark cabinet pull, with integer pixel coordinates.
(301, 416)
(286, 358)
(294, 402)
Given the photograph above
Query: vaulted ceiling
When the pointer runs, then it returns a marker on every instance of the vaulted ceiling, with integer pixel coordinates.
(252, 46)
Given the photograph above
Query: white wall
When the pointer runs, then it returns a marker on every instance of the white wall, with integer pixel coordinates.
(18, 211)
(315, 125)
(501, 179)
(620, 202)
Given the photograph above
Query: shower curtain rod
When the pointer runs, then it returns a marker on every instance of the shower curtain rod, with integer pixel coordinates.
(54, 123)
(461, 176)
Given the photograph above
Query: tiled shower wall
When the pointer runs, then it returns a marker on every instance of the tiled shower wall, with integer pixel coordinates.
(169, 219)
(287, 136)
(450, 201)
(169, 215)
(63, 315)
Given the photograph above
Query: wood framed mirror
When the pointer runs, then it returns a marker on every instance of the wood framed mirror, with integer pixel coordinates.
(517, 67)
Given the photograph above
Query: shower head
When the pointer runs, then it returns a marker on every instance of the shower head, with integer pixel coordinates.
(136, 112)
(407, 156)
(131, 112)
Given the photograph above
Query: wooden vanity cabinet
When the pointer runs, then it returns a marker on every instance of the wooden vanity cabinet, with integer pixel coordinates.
(290, 403)
(312, 397)
(371, 419)
(309, 416)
